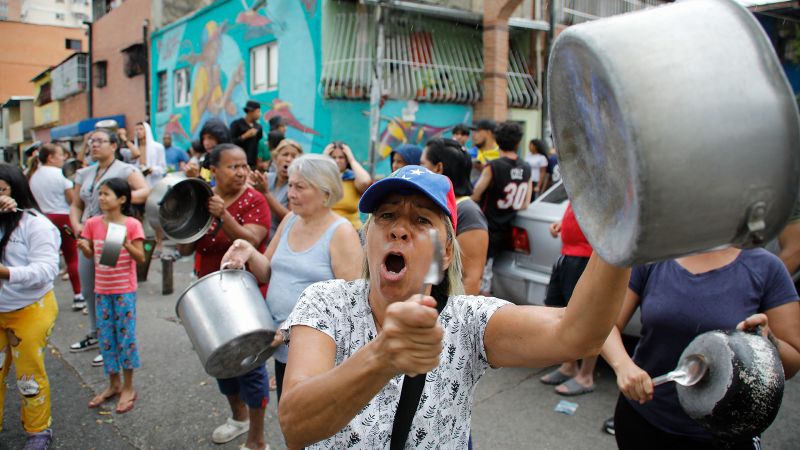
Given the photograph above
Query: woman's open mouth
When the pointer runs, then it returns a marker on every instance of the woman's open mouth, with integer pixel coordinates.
(393, 267)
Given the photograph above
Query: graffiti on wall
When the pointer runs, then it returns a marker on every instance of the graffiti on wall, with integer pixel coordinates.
(217, 77)
(284, 111)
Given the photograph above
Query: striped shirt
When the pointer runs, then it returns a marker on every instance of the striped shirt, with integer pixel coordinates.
(121, 278)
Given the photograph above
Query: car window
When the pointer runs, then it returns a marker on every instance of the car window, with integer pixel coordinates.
(556, 194)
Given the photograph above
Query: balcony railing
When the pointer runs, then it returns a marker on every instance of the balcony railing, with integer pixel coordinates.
(572, 12)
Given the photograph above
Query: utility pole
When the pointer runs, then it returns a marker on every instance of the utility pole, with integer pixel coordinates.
(376, 92)
(145, 27)
(551, 34)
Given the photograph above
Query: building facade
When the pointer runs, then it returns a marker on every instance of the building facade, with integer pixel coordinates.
(29, 49)
(61, 13)
(310, 63)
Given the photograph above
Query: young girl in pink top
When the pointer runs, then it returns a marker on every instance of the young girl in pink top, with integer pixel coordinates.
(115, 291)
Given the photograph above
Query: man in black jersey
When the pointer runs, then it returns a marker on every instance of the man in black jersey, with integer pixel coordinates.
(503, 188)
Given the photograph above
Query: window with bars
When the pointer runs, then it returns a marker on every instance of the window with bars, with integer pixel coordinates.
(161, 103)
(264, 68)
(424, 60)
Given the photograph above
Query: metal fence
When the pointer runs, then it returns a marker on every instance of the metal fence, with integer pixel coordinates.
(571, 12)
(424, 60)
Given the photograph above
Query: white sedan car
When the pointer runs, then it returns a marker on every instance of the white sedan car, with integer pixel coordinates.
(521, 274)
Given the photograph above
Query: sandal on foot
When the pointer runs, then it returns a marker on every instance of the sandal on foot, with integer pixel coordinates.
(129, 406)
(573, 388)
(94, 403)
(554, 378)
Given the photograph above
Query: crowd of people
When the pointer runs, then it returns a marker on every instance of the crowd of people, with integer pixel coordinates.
(340, 259)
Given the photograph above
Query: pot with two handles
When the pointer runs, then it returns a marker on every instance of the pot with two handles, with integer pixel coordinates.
(656, 115)
(178, 206)
(228, 322)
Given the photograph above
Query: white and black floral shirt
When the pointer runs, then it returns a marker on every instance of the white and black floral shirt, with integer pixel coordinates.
(340, 309)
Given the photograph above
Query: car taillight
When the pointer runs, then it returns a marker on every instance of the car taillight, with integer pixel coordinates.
(519, 240)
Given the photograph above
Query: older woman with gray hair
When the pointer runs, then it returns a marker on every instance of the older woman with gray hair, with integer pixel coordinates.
(311, 244)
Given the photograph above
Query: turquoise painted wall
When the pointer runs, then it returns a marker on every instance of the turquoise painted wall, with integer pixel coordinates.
(215, 44)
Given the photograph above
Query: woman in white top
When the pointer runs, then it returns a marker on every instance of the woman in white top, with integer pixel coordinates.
(537, 159)
(151, 155)
(53, 193)
(28, 266)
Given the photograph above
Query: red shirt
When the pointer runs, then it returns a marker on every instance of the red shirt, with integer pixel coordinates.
(250, 207)
(573, 242)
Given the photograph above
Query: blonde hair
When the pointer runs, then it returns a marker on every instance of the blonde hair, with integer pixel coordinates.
(322, 173)
(454, 270)
(288, 143)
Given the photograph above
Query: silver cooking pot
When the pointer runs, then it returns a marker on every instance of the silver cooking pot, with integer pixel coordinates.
(183, 213)
(228, 322)
(677, 131)
(157, 194)
(113, 243)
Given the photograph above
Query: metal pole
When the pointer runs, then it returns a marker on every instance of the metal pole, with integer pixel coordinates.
(375, 94)
(89, 72)
(551, 33)
(145, 26)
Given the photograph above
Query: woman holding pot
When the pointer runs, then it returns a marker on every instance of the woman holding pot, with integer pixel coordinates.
(28, 309)
(351, 342)
(53, 193)
(681, 299)
(242, 214)
(312, 244)
(355, 180)
(85, 204)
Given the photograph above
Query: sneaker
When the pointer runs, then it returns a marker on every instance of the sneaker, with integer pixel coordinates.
(97, 361)
(229, 431)
(39, 441)
(78, 302)
(608, 426)
(87, 343)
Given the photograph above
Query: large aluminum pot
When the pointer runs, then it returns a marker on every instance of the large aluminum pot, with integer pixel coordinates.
(183, 210)
(157, 194)
(677, 131)
(228, 322)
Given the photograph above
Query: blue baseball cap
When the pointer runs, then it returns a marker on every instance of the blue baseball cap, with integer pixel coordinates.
(411, 180)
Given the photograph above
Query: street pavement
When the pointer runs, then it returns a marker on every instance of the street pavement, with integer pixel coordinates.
(179, 405)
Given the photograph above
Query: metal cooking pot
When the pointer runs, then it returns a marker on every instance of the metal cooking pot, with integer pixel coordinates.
(112, 245)
(157, 194)
(70, 167)
(677, 131)
(741, 392)
(183, 210)
(228, 322)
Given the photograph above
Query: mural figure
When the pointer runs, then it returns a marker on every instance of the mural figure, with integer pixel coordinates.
(174, 128)
(400, 131)
(257, 22)
(282, 109)
(211, 98)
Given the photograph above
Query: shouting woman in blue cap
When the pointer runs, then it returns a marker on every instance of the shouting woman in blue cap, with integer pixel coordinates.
(355, 347)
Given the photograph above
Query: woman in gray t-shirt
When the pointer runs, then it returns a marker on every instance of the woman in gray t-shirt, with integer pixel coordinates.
(103, 146)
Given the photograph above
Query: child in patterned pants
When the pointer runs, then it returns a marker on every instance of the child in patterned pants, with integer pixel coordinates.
(115, 292)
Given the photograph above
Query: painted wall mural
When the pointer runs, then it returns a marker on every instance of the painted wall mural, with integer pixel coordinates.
(214, 47)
